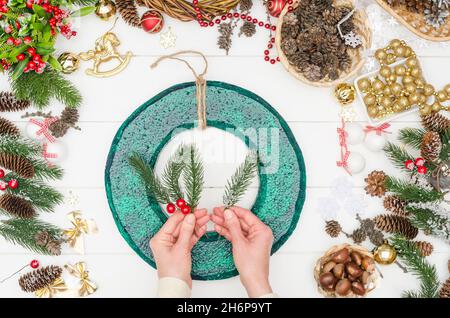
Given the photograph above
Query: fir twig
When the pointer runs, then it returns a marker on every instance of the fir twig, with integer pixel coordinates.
(151, 181)
(43, 170)
(397, 155)
(416, 263)
(411, 192)
(19, 146)
(172, 173)
(412, 137)
(193, 176)
(23, 231)
(430, 222)
(241, 180)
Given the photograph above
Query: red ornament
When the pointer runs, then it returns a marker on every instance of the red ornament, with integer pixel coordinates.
(186, 209)
(275, 7)
(34, 264)
(170, 208)
(13, 184)
(2, 173)
(409, 164)
(181, 203)
(422, 169)
(152, 21)
(3, 186)
(419, 162)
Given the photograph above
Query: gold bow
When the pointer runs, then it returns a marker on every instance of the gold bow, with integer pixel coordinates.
(80, 226)
(47, 292)
(79, 270)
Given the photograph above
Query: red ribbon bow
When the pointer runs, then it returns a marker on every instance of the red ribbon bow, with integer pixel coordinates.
(344, 162)
(44, 126)
(379, 130)
(48, 155)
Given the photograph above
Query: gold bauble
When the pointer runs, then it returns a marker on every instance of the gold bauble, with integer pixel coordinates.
(392, 78)
(396, 89)
(442, 96)
(380, 54)
(422, 99)
(386, 101)
(377, 85)
(428, 89)
(410, 88)
(105, 9)
(408, 51)
(412, 62)
(372, 110)
(397, 108)
(385, 254)
(414, 98)
(69, 62)
(447, 89)
(407, 79)
(370, 99)
(400, 51)
(419, 82)
(436, 107)
(390, 58)
(364, 85)
(415, 71)
(387, 90)
(395, 43)
(385, 71)
(403, 102)
(345, 93)
(400, 70)
(425, 110)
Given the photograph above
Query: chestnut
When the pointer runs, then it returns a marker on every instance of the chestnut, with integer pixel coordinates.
(365, 277)
(327, 281)
(340, 256)
(353, 270)
(328, 267)
(356, 258)
(343, 287)
(339, 271)
(368, 264)
(358, 288)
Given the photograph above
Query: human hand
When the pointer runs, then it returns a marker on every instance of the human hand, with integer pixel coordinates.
(252, 241)
(172, 245)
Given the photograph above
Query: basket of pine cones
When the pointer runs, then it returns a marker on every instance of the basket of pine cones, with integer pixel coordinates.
(312, 47)
(429, 19)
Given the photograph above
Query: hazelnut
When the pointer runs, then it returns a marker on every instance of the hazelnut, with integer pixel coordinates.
(368, 264)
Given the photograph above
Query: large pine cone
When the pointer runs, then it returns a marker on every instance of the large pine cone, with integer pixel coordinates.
(17, 206)
(9, 103)
(22, 166)
(129, 13)
(7, 128)
(425, 248)
(436, 122)
(333, 228)
(376, 183)
(445, 290)
(431, 146)
(395, 205)
(396, 224)
(39, 278)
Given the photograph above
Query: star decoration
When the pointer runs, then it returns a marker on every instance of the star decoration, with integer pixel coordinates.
(392, 21)
(168, 39)
(72, 199)
(347, 113)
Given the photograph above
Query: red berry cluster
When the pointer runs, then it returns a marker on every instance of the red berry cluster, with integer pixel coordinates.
(35, 64)
(419, 163)
(204, 23)
(12, 183)
(181, 204)
(57, 17)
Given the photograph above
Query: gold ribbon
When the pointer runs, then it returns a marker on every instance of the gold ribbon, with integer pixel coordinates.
(79, 270)
(74, 236)
(57, 285)
(200, 83)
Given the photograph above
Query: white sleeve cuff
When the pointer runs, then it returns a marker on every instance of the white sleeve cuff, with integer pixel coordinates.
(271, 295)
(171, 287)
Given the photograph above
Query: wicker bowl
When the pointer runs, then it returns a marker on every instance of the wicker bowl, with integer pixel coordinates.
(363, 28)
(416, 23)
(372, 281)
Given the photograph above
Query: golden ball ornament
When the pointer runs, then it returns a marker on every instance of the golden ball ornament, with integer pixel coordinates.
(378, 85)
(385, 71)
(400, 70)
(396, 89)
(370, 99)
(412, 62)
(392, 78)
(420, 82)
(410, 88)
(387, 90)
(345, 93)
(105, 9)
(414, 98)
(436, 107)
(385, 254)
(422, 99)
(403, 102)
(364, 85)
(408, 51)
(407, 80)
(428, 89)
(390, 58)
(380, 54)
(69, 62)
(442, 96)
(152, 21)
(400, 51)
(425, 110)
(447, 89)
(395, 43)
(373, 111)
(386, 101)
(415, 71)
(397, 107)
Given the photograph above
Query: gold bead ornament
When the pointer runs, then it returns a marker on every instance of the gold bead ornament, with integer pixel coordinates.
(105, 9)
(69, 62)
(345, 93)
(385, 254)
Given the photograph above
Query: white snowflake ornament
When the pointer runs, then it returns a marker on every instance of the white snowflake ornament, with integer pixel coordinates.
(168, 39)
(352, 39)
(347, 113)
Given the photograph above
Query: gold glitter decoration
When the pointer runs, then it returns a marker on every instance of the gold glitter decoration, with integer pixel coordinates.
(345, 93)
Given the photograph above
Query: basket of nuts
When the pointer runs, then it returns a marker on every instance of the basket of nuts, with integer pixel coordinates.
(346, 271)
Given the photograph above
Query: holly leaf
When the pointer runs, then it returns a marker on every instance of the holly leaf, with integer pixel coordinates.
(18, 70)
(39, 11)
(54, 63)
(83, 12)
(47, 33)
(37, 26)
(16, 51)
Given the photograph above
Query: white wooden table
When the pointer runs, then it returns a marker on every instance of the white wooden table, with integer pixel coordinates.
(312, 114)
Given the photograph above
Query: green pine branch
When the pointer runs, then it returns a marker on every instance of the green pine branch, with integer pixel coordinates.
(412, 137)
(43, 170)
(172, 173)
(416, 263)
(23, 231)
(397, 155)
(40, 89)
(241, 180)
(445, 136)
(19, 146)
(193, 176)
(430, 222)
(151, 181)
(411, 192)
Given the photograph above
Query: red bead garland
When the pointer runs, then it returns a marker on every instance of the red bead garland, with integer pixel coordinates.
(34, 264)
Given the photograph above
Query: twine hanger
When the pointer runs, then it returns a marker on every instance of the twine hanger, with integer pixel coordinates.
(200, 82)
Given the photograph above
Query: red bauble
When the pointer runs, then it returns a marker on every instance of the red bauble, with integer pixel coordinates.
(422, 169)
(3, 186)
(275, 7)
(2, 173)
(409, 164)
(419, 162)
(13, 184)
(152, 21)
(34, 264)
(186, 209)
(170, 208)
(181, 203)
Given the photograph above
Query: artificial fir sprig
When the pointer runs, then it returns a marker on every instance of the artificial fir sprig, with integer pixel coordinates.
(193, 176)
(241, 180)
(430, 222)
(397, 155)
(412, 137)
(416, 263)
(172, 173)
(411, 192)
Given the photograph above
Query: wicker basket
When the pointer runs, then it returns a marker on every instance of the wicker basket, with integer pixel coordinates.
(416, 23)
(363, 28)
(373, 278)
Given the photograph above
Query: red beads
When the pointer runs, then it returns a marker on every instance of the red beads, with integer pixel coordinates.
(170, 208)
(2, 173)
(422, 169)
(419, 162)
(186, 209)
(409, 164)
(180, 203)
(34, 264)
(13, 184)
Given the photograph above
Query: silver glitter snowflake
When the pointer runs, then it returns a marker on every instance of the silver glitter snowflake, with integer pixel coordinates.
(352, 39)
(72, 199)
(168, 39)
(347, 113)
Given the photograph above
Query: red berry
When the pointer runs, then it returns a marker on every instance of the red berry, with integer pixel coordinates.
(266, 58)
(31, 51)
(31, 65)
(10, 41)
(34, 264)
(181, 203)
(419, 162)
(409, 164)
(17, 25)
(27, 40)
(272, 61)
(36, 58)
(186, 209)
(422, 169)
(13, 184)
(20, 57)
(18, 41)
(3, 186)
(2, 173)
(170, 208)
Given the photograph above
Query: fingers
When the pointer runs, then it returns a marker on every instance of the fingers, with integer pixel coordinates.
(247, 215)
(218, 218)
(200, 223)
(172, 223)
(198, 234)
(186, 231)
(223, 231)
(200, 213)
(233, 225)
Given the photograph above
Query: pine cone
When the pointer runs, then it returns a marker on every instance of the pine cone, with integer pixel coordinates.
(39, 278)
(445, 290)
(58, 128)
(290, 19)
(376, 237)
(129, 13)
(431, 146)
(248, 29)
(22, 166)
(224, 41)
(396, 224)
(359, 236)
(7, 128)
(376, 183)
(333, 228)
(9, 103)
(289, 46)
(245, 5)
(17, 206)
(368, 225)
(425, 248)
(395, 205)
(436, 122)
(70, 115)
(41, 238)
(54, 247)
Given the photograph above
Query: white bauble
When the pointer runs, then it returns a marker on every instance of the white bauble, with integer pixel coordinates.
(355, 163)
(31, 131)
(355, 133)
(59, 149)
(375, 142)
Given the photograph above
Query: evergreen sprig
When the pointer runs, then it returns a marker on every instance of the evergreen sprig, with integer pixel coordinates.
(416, 263)
(412, 137)
(411, 192)
(151, 181)
(430, 222)
(172, 173)
(43, 170)
(397, 155)
(23, 231)
(240, 180)
(19, 146)
(193, 176)
(40, 89)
